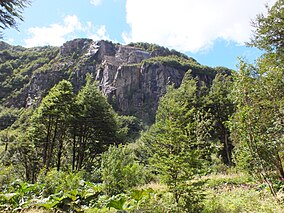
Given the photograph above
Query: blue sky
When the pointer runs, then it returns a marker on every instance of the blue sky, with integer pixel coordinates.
(212, 32)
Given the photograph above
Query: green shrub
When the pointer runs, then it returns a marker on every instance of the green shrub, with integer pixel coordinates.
(7, 176)
(55, 181)
(120, 170)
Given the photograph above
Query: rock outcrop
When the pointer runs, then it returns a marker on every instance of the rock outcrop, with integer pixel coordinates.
(132, 77)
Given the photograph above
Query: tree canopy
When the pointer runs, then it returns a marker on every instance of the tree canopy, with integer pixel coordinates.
(269, 29)
(10, 12)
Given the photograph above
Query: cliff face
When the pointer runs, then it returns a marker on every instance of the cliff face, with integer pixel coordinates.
(132, 77)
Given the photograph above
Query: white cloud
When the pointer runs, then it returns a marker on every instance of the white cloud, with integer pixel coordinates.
(100, 34)
(56, 34)
(9, 40)
(191, 25)
(96, 2)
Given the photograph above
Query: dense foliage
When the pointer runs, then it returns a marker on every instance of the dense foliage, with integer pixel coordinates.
(257, 125)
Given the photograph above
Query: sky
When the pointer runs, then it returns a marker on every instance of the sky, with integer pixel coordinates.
(213, 32)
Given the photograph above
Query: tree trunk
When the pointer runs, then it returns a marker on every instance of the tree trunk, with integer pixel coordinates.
(50, 151)
(46, 143)
(6, 146)
(280, 166)
(59, 153)
(81, 149)
(74, 150)
(81, 153)
(6, 141)
(27, 172)
(33, 173)
(227, 148)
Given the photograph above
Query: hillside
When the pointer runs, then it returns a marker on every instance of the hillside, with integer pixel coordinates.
(97, 126)
(133, 77)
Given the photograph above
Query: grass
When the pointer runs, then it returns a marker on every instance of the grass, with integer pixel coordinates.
(155, 186)
(234, 193)
(238, 193)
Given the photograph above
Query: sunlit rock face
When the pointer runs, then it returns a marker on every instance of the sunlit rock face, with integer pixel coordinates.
(133, 77)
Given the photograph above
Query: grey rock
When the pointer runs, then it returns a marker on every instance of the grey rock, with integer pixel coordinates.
(131, 83)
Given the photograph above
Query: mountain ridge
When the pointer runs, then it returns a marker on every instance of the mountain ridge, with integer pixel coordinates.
(133, 77)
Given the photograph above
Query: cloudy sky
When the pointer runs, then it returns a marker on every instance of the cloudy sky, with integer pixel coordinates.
(211, 31)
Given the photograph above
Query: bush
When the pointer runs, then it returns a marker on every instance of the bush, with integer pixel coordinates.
(7, 176)
(55, 181)
(120, 170)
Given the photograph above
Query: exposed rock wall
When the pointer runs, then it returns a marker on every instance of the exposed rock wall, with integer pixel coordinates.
(132, 82)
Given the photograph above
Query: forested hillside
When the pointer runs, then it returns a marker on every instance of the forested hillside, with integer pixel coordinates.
(104, 127)
(132, 77)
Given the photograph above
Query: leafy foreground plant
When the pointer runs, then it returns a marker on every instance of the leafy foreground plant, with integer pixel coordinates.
(19, 196)
(66, 192)
(143, 200)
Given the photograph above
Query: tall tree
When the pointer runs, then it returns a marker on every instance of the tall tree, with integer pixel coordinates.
(257, 124)
(258, 121)
(220, 106)
(51, 122)
(22, 155)
(10, 11)
(94, 125)
(180, 141)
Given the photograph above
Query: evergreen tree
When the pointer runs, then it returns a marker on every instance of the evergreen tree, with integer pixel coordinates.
(180, 142)
(10, 11)
(220, 106)
(94, 126)
(51, 122)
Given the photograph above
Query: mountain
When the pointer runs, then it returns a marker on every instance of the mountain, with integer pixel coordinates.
(133, 77)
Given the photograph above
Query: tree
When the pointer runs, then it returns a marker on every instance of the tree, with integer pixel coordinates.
(21, 152)
(10, 11)
(220, 106)
(22, 155)
(94, 126)
(258, 123)
(269, 29)
(180, 142)
(7, 117)
(51, 123)
(129, 128)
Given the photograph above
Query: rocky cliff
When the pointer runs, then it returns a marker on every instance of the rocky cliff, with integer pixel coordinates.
(133, 77)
